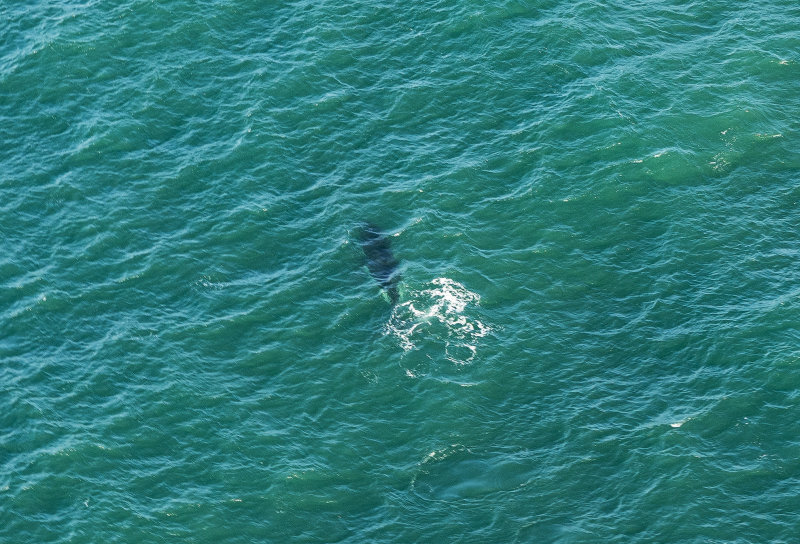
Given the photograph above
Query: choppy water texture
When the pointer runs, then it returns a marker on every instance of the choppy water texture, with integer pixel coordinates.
(594, 208)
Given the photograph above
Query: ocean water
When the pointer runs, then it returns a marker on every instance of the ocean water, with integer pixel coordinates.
(594, 208)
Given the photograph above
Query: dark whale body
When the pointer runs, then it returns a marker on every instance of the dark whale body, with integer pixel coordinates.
(380, 259)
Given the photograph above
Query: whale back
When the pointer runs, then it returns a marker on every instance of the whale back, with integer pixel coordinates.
(380, 259)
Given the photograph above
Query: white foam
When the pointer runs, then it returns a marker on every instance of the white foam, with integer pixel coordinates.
(440, 313)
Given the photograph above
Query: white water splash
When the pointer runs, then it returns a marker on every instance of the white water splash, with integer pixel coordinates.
(439, 314)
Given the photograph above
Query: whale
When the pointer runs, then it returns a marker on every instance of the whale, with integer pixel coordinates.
(380, 260)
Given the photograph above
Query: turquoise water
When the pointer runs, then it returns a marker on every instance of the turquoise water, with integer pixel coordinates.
(595, 210)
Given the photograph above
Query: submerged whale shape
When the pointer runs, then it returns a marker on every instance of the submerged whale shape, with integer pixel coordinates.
(380, 259)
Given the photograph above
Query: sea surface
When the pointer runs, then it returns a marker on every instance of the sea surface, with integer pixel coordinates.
(595, 211)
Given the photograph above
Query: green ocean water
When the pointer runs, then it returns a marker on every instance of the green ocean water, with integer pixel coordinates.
(594, 208)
